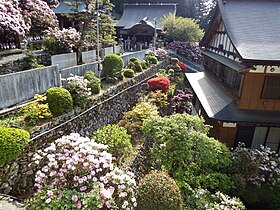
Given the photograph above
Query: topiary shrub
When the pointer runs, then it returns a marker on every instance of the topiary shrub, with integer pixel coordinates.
(94, 82)
(174, 60)
(153, 60)
(60, 100)
(158, 191)
(12, 142)
(159, 83)
(129, 73)
(138, 66)
(131, 65)
(112, 66)
(144, 65)
(133, 59)
(116, 138)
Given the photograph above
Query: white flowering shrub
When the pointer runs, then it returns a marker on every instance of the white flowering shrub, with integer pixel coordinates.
(202, 199)
(161, 53)
(78, 173)
(256, 167)
(78, 88)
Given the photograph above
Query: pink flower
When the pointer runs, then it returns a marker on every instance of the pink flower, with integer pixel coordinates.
(48, 200)
(75, 198)
(50, 193)
(108, 204)
(59, 196)
(79, 205)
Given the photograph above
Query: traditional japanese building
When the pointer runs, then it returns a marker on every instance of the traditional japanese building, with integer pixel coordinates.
(239, 91)
(143, 21)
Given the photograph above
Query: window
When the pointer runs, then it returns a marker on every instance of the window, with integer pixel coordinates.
(268, 136)
(271, 89)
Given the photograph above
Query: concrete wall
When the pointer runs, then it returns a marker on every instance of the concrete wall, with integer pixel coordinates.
(139, 54)
(109, 50)
(89, 56)
(79, 70)
(64, 60)
(21, 86)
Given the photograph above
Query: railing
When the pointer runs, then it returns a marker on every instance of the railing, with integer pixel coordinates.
(192, 66)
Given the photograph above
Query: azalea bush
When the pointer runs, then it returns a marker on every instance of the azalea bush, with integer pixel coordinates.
(181, 102)
(62, 41)
(188, 50)
(161, 53)
(78, 88)
(202, 199)
(76, 172)
(159, 83)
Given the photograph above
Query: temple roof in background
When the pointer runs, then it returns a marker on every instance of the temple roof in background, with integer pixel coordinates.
(135, 14)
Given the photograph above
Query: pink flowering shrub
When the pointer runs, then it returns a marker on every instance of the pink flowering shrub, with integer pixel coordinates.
(61, 41)
(11, 17)
(78, 173)
(161, 53)
(19, 16)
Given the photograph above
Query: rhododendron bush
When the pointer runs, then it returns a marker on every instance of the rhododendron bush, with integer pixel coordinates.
(78, 173)
(159, 83)
(20, 16)
(62, 41)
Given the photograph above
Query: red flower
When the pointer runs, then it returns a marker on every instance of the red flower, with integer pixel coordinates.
(159, 83)
(182, 66)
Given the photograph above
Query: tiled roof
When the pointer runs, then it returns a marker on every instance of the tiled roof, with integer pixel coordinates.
(253, 27)
(65, 8)
(134, 13)
(220, 106)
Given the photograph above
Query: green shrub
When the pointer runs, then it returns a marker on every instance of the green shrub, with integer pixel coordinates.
(94, 82)
(138, 67)
(153, 60)
(131, 65)
(60, 100)
(112, 66)
(133, 119)
(36, 110)
(133, 59)
(174, 60)
(129, 73)
(144, 64)
(116, 138)
(12, 142)
(158, 191)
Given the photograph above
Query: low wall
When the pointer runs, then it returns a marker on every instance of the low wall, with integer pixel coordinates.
(79, 70)
(139, 54)
(89, 56)
(64, 60)
(17, 178)
(21, 86)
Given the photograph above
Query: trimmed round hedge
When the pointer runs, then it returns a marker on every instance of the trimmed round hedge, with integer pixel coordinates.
(129, 73)
(112, 65)
(138, 67)
(60, 100)
(133, 59)
(12, 142)
(94, 82)
(158, 191)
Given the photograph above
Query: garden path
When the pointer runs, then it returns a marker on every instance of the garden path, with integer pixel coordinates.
(7, 203)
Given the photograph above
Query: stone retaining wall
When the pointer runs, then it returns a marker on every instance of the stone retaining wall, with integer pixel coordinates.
(17, 178)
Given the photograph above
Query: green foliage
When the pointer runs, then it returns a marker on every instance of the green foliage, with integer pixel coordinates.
(158, 98)
(51, 45)
(144, 64)
(133, 59)
(94, 82)
(36, 111)
(151, 59)
(138, 67)
(201, 199)
(158, 191)
(117, 139)
(129, 73)
(112, 66)
(182, 29)
(31, 59)
(12, 142)
(131, 65)
(133, 119)
(59, 100)
(174, 60)
(182, 147)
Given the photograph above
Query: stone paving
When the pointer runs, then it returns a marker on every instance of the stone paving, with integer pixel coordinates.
(7, 203)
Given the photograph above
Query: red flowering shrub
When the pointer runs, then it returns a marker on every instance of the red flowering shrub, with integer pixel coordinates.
(182, 66)
(159, 83)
